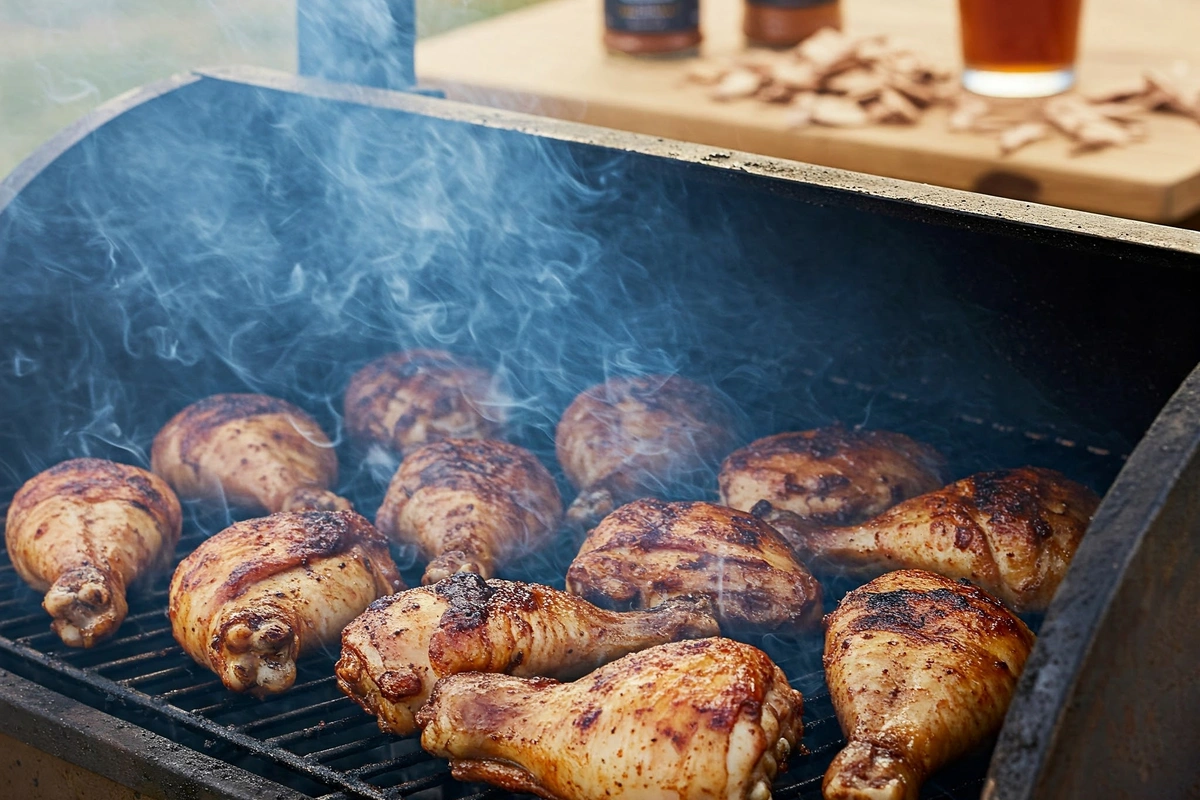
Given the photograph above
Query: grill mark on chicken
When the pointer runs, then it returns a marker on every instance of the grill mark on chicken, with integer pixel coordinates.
(207, 415)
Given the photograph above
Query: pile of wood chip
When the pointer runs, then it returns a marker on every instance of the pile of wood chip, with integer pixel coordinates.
(1093, 121)
(834, 79)
(839, 80)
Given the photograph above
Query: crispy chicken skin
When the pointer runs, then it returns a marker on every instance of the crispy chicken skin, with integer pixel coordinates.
(709, 718)
(628, 437)
(469, 505)
(650, 551)
(249, 450)
(1012, 532)
(831, 476)
(920, 669)
(404, 400)
(395, 651)
(83, 531)
(247, 602)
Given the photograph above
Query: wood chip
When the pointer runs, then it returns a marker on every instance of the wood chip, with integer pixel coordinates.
(838, 112)
(1121, 112)
(828, 50)
(774, 93)
(797, 75)
(923, 95)
(800, 114)
(893, 108)
(1097, 134)
(706, 73)
(968, 112)
(860, 83)
(1018, 136)
(736, 84)
(1172, 94)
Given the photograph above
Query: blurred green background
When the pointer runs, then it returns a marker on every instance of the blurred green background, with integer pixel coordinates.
(60, 58)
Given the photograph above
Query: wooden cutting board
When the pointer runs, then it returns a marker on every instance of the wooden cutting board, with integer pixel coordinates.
(548, 59)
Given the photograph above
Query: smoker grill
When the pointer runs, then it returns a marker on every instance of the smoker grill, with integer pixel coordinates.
(243, 230)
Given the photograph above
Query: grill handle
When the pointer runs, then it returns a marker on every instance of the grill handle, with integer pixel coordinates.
(368, 42)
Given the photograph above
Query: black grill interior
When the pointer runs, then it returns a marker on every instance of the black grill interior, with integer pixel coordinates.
(229, 237)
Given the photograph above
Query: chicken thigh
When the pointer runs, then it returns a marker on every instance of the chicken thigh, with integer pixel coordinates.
(920, 669)
(650, 551)
(395, 651)
(249, 450)
(710, 718)
(248, 601)
(404, 400)
(632, 436)
(85, 530)
(469, 505)
(831, 476)
(1012, 532)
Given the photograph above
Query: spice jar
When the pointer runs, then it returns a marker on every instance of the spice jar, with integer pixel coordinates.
(652, 27)
(784, 23)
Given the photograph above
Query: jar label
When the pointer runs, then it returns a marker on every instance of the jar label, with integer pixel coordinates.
(652, 16)
(792, 3)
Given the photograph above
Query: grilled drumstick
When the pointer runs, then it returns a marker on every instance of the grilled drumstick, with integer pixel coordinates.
(469, 504)
(247, 602)
(395, 651)
(404, 400)
(920, 670)
(1013, 532)
(831, 476)
(249, 450)
(83, 531)
(632, 436)
(649, 551)
(710, 718)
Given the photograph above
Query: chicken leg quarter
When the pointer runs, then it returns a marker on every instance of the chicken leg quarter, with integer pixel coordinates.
(469, 505)
(920, 669)
(395, 651)
(250, 450)
(710, 718)
(83, 531)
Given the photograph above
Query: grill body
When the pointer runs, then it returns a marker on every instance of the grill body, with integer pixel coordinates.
(247, 231)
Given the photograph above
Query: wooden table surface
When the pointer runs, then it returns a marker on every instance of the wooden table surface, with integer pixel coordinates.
(548, 59)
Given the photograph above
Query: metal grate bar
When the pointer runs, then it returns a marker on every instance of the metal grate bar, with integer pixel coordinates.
(136, 659)
(414, 786)
(320, 728)
(169, 672)
(193, 689)
(290, 715)
(379, 767)
(25, 620)
(351, 748)
(228, 702)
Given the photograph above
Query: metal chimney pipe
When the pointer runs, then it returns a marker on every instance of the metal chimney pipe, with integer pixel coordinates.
(368, 42)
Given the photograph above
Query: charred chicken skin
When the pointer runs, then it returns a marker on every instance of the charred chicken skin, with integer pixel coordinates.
(85, 530)
(397, 649)
(650, 551)
(830, 476)
(248, 601)
(248, 450)
(710, 718)
(628, 437)
(1012, 532)
(408, 399)
(468, 505)
(921, 670)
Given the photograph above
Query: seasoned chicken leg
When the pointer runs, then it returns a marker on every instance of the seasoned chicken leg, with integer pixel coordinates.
(247, 602)
(920, 669)
(404, 400)
(831, 476)
(710, 718)
(249, 450)
(469, 505)
(395, 651)
(628, 437)
(83, 531)
(649, 551)
(1013, 532)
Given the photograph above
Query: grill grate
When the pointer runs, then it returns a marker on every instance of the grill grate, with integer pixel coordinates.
(313, 739)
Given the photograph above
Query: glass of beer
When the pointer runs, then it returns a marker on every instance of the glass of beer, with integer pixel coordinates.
(1019, 48)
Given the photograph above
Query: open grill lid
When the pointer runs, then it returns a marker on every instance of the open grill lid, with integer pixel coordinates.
(1003, 332)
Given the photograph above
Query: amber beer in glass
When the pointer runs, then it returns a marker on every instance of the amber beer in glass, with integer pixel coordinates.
(1019, 48)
